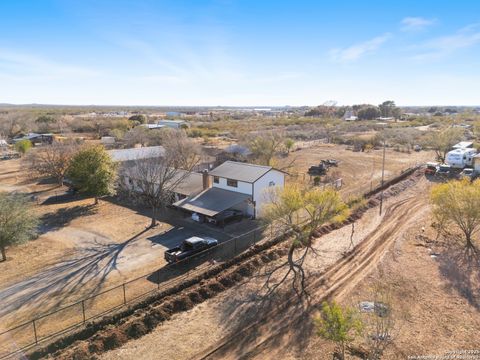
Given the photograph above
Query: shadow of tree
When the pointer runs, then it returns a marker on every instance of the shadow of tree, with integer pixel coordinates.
(63, 216)
(275, 315)
(460, 266)
(82, 276)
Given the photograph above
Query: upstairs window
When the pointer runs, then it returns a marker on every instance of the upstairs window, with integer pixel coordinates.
(232, 183)
(216, 179)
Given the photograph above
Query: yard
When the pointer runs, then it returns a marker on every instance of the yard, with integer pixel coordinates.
(82, 249)
(360, 171)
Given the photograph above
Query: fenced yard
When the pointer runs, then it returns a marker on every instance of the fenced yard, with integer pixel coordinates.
(50, 325)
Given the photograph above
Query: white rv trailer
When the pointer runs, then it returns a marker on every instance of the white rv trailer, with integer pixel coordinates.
(460, 158)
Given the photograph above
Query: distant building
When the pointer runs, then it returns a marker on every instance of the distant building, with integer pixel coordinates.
(349, 116)
(36, 139)
(152, 126)
(175, 124)
(132, 154)
(107, 140)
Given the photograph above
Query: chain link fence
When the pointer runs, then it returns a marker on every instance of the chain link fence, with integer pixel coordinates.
(47, 326)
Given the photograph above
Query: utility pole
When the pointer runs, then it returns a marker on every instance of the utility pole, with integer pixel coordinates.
(383, 174)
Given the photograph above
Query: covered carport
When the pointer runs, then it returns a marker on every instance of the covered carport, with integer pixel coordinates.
(213, 201)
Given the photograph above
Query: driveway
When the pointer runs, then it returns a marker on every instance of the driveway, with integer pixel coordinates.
(99, 263)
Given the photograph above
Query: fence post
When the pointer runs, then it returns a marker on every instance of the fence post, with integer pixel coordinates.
(83, 311)
(235, 246)
(158, 279)
(35, 332)
(254, 236)
(124, 294)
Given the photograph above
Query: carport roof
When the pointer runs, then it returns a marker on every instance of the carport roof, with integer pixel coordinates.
(212, 201)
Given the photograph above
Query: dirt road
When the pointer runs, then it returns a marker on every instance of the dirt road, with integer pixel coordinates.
(228, 326)
(283, 325)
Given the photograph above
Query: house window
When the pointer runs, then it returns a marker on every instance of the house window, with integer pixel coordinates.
(271, 183)
(232, 183)
(216, 179)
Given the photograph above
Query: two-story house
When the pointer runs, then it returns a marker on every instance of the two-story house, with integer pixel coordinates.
(233, 185)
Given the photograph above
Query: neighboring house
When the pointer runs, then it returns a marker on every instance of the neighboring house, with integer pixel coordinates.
(233, 185)
(152, 126)
(107, 140)
(36, 139)
(349, 116)
(132, 154)
(174, 124)
(190, 185)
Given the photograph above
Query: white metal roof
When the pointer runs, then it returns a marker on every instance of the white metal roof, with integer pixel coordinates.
(136, 153)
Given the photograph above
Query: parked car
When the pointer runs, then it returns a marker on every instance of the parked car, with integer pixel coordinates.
(225, 217)
(189, 247)
(330, 162)
(468, 173)
(321, 169)
(444, 170)
(431, 168)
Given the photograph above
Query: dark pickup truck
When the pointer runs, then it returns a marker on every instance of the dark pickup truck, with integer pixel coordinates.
(189, 247)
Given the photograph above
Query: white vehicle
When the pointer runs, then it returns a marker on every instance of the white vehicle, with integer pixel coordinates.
(467, 173)
(460, 158)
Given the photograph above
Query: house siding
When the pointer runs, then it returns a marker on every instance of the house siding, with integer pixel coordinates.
(260, 186)
(243, 187)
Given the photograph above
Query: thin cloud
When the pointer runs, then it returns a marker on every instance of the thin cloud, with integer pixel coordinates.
(416, 23)
(356, 51)
(12, 62)
(464, 38)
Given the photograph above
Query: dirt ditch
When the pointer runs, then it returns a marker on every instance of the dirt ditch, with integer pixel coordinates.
(141, 318)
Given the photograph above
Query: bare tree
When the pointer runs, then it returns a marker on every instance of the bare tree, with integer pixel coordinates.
(379, 325)
(266, 145)
(300, 212)
(154, 180)
(442, 141)
(53, 160)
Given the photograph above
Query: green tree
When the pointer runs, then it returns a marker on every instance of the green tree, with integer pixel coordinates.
(338, 324)
(458, 203)
(93, 172)
(289, 144)
(389, 109)
(23, 146)
(45, 119)
(300, 212)
(142, 119)
(18, 221)
(368, 113)
(45, 122)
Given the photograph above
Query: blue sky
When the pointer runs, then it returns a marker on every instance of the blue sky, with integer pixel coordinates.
(239, 52)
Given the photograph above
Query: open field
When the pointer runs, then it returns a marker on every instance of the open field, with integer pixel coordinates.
(82, 249)
(360, 171)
